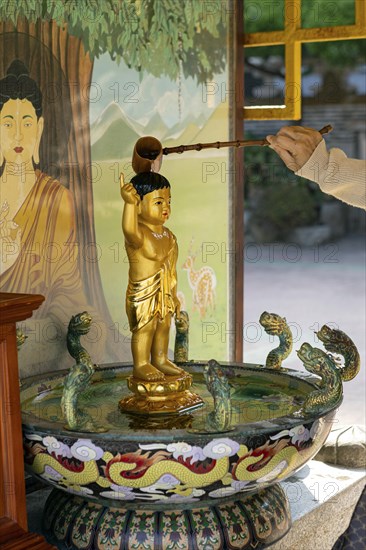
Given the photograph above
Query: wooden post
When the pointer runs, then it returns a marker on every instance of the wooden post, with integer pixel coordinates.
(236, 192)
(13, 513)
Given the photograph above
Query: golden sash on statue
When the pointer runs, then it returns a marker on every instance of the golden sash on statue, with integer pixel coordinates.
(149, 297)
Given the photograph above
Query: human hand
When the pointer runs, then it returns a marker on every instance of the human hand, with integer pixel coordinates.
(128, 192)
(295, 145)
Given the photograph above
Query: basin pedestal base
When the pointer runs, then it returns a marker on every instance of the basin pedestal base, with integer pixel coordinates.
(242, 522)
(169, 396)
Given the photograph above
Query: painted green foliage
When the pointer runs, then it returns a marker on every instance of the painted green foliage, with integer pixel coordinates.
(163, 37)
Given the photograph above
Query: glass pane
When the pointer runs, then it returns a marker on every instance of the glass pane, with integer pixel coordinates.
(264, 80)
(333, 72)
(321, 13)
(263, 16)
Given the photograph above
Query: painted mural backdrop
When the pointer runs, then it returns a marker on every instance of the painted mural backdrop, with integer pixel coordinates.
(80, 82)
(176, 114)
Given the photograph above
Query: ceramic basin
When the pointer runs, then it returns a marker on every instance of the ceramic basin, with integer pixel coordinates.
(176, 458)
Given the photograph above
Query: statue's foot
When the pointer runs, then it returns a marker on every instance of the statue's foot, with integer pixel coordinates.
(169, 368)
(148, 372)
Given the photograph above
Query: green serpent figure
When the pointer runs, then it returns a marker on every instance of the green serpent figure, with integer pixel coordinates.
(275, 325)
(79, 376)
(217, 384)
(337, 341)
(21, 338)
(181, 338)
(319, 362)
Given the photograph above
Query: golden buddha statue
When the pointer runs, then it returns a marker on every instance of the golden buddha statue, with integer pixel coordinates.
(151, 296)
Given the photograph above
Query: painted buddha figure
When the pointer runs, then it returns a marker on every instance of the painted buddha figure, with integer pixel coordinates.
(37, 220)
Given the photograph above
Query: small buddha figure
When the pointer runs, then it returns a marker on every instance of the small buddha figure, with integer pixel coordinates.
(151, 297)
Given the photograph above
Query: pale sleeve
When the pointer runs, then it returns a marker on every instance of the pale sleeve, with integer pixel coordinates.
(337, 175)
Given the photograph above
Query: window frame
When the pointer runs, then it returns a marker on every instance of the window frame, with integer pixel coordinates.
(292, 37)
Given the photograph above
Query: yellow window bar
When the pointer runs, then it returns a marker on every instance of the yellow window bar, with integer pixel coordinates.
(292, 37)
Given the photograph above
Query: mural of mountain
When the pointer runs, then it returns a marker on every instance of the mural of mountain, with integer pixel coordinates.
(156, 127)
(185, 137)
(209, 132)
(109, 115)
(206, 132)
(113, 134)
